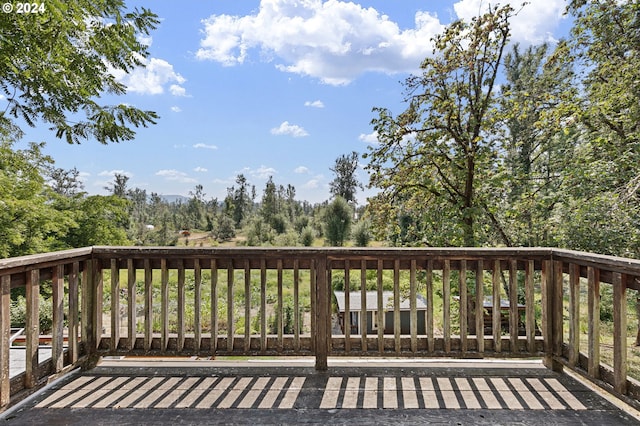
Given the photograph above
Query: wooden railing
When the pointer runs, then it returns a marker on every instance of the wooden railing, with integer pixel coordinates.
(279, 301)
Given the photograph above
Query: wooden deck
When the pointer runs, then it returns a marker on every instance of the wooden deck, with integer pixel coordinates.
(291, 391)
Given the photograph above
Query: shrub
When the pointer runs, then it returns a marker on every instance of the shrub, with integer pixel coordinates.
(362, 233)
(307, 236)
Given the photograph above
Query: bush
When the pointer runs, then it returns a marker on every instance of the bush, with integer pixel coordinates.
(362, 233)
(307, 236)
(19, 313)
(337, 222)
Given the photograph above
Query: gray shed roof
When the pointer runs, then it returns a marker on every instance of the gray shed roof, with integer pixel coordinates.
(355, 301)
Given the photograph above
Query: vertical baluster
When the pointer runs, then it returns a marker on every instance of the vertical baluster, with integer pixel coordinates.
(32, 328)
(446, 304)
(181, 306)
(480, 305)
(115, 305)
(593, 302)
(363, 307)
(74, 327)
(247, 306)
(5, 335)
(263, 304)
(429, 290)
(57, 338)
(530, 314)
(148, 305)
(164, 305)
(497, 313)
(314, 306)
(280, 312)
(464, 305)
(396, 305)
(97, 311)
(131, 303)
(413, 320)
(323, 309)
(296, 306)
(619, 333)
(514, 313)
(558, 308)
(347, 308)
(380, 312)
(230, 319)
(214, 307)
(574, 314)
(197, 299)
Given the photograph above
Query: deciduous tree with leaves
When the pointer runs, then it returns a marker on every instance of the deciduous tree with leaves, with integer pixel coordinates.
(55, 66)
(432, 155)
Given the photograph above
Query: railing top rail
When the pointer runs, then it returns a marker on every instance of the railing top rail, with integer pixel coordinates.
(43, 260)
(614, 263)
(339, 252)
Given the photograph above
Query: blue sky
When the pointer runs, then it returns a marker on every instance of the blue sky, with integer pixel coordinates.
(271, 87)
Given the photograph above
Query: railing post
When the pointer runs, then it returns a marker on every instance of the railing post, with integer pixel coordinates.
(551, 319)
(322, 331)
(32, 328)
(619, 333)
(5, 335)
(89, 307)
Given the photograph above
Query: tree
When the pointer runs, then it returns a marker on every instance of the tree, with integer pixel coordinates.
(55, 65)
(65, 182)
(345, 184)
(433, 152)
(118, 187)
(605, 49)
(29, 221)
(534, 148)
(337, 222)
(269, 207)
(101, 220)
(241, 200)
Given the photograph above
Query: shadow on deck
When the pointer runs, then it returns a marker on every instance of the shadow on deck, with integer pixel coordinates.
(291, 391)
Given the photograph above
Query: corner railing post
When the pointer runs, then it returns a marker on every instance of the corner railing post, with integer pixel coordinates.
(552, 313)
(5, 335)
(90, 305)
(322, 314)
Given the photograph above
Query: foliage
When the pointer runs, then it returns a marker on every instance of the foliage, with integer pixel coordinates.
(29, 222)
(345, 184)
(337, 222)
(362, 235)
(18, 313)
(435, 151)
(55, 65)
(225, 229)
(307, 236)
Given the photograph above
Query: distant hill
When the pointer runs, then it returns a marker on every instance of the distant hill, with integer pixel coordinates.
(174, 198)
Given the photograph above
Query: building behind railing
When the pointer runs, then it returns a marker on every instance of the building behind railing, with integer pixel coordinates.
(280, 301)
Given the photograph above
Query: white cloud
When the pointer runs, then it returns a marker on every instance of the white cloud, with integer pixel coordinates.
(175, 175)
(333, 41)
(534, 23)
(177, 90)
(314, 104)
(115, 172)
(301, 170)
(312, 184)
(204, 146)
(262, 172)
(151, 79)
(200, 169)
(371, 138)
(176, 109)
(289, 129)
